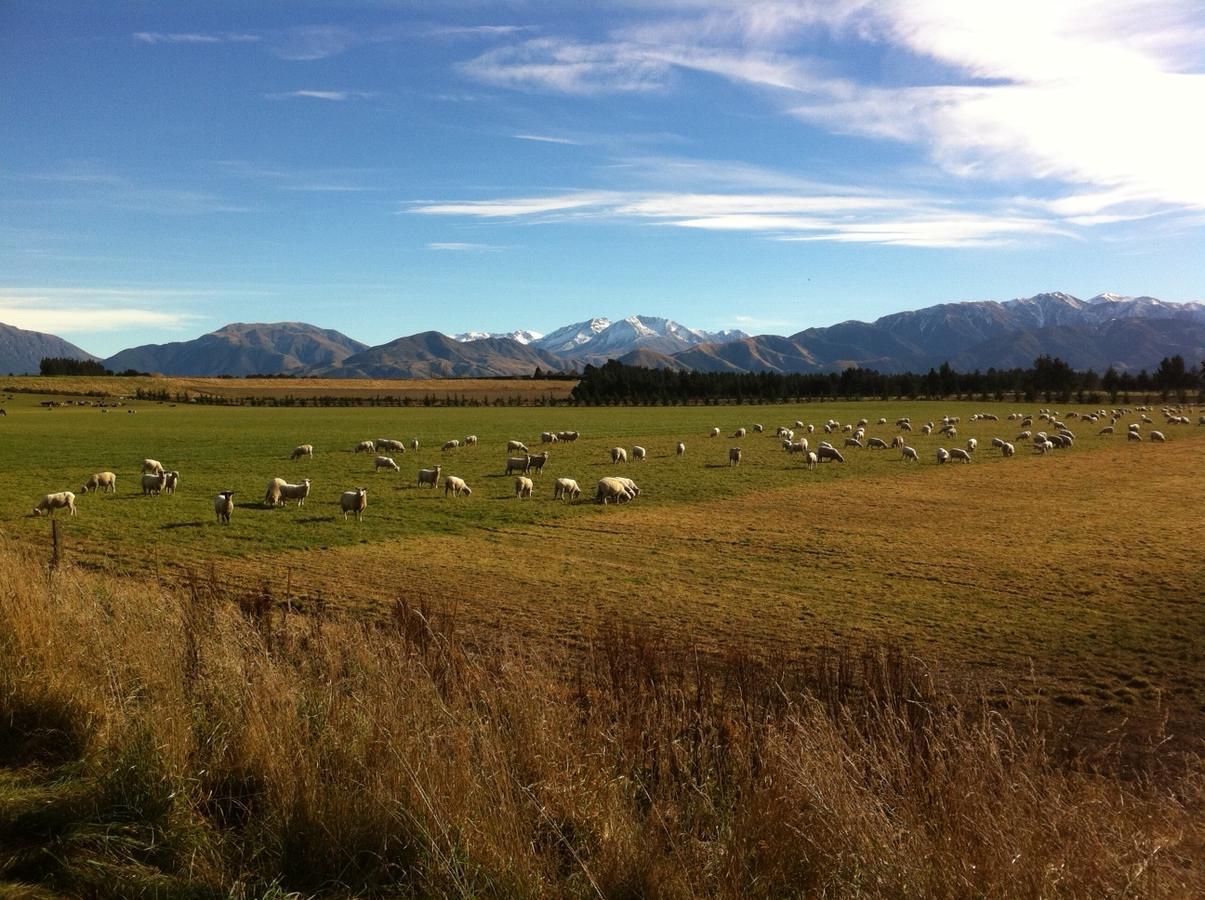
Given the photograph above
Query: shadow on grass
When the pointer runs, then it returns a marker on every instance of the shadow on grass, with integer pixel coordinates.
(175, 525)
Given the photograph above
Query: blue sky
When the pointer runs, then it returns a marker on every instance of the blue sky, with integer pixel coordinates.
(384, 168)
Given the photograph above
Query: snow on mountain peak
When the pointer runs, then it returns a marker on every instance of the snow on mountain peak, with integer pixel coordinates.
(522, 336)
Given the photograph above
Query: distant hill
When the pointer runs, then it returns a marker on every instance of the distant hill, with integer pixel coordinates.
(242, 349)
(434, 355)
(21, 351)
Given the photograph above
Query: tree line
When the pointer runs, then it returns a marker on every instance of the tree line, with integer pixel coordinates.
(1049, 379)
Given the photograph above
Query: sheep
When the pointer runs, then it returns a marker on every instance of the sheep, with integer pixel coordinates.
(152, 465)
(787, 434)
(882, 420)
(943, 455)
(758, 429)
(513, 446)
(296, 492)
(365, 447)
(908, 454)
(517, 464)
(1158, 437)
(847, 429)
(618, 455)
(302, 450)
(630, 486)
(1201, 421)
(384, 462)
(972, 443)
(811, 459)
(1007, 449)
(564, 488)
(739, 433)
(390, 444)
(800, 446)
(680, 448)
(355, 502)
(450, 445)
(430, 477)
(799, 423)
(101, 481)
(414, 444)
(852, 442)
(876, 444)
(537, 461)
(826, 454)
(1023, 436)
(470, 440)
(153, 484)
(567, 435)
(811, 429)
(223, 506)
(715, 432)
(926, 429)
(638, 454)
(548, 437)
(456, 486)
(734, 456)
(59, 500)
(611, 489)
(959, 453)
(272, 495)
(170, 480)
(523, 487)
(1043, 446)
(997, 442)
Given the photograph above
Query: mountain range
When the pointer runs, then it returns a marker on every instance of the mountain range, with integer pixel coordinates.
(1128, 333)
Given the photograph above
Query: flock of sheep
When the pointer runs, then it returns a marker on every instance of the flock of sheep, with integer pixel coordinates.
(1053, 435)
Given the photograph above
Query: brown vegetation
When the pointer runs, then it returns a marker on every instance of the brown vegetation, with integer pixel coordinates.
(209, 742)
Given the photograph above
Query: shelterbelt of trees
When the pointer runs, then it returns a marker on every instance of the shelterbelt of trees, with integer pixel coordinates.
(1049, 379)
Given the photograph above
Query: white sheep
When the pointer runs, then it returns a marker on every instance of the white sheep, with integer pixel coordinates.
(897, 441)
(512, 446)
(997, 442)
(943, 455)
(470, 440)
(152, 465)
(384, 462)
(876, 444)
(450, 445)
(296, 492)
(638, 454)
(715, 432)
(153, 484)
(972, 443)
(799, 423)
(414, 444)
(611, 488)
(908, 454)
(564, 488)
(629, 486)
(1158, 437)
(100, 481)
(390, 444)
(960, 454)
(680, 448)
(170, 480)
(58, 500)
(618, 455)
(811, 459)
(537, 461)
(523, 487)
(365, 447)
(758, 429)
(548, 437)
(567, 435)
(354, 502)
(517, 464)
(827, 453)
(302, 450)
(272, 494)
(739, 433)
(430, 477)
(1007, 449)
(456, 487)
(223, 506)
(734, 456)
(852, 442)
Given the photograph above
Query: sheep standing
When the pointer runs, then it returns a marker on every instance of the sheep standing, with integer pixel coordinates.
(564, 488)
(450, 445)
(523, 487)
(961, 455)
(100, 481)
(153, 484)
(972, 443)
(680, 449)
(618, 455)
(390, 444)
(429, 477)
(611, 489)
(943, 455)
(456, 486)
(517, 464)
(1158, 437)
(516, 447)
(272, 494)
(365, 447)
(384, 462)
(537, 461)
(170, 480)
(811, 459)
(734, 456)
(152, 465)
(548, 437)
(1007, 449)
(354, 502)
(414, 444)
(638, 454)
(470, 440)
(715, 432)
(302, 450)
(223, 506)
(826, 453)
(296, 492)
(739, 433)
(908, 454)
(59, 500)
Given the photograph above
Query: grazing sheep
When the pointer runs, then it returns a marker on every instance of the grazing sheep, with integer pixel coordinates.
(296, 492)
(414, 444)
(567, 435)
(897, 441)
(852, 442)
(972, 443)
(715, 432)
(523, 487)
(926, 429)
(564, 488)
(1007, 449)
(384, 462)
(908, 454)
(355, 502)
(59, 500)
(223, 506)
(618, 455)
(997, 442)
(470, 440)
(456, 486)
(638, 454)
(826, 454)
(365, 447)
(734, 456)
(799, 423)
(960, 454)
(811, 459)
(517, 464)
(1201, 421)
(758, 429)
(272, 495)
(170, 480)
(800, 446)
(101, 481)
(512, 446)
(450, 445)
(611, 488)
(876, 444)
(739, 433)
(1158, 437)
(630, 485)
(680, 449)
(882, 420)
(537, 461)
(152, 465)
(943, 455)
(430, 477)
(302, 450)
(153, 484)
(391, 445)
(548, 437)
(1023, 436)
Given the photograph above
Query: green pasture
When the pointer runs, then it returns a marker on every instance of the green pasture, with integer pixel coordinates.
(241, 448)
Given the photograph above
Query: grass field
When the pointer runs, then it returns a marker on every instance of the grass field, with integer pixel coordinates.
(1075, 574)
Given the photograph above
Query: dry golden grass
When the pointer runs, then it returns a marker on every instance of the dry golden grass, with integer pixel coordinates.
(203, 743)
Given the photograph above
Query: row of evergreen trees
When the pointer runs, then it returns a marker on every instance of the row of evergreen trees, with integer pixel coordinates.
(1049, 379)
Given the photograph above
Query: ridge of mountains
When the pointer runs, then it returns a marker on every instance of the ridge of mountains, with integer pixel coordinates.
(1128, 333)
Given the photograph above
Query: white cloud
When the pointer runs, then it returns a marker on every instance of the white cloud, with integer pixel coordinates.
(516, 207)
(157, 37)
(321, 95)
(62, 312)
(458, 246)
(545, 139)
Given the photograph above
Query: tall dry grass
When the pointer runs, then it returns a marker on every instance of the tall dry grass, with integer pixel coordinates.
(205, 742)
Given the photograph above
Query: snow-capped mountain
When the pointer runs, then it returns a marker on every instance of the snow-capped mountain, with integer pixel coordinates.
(522, 336)
(569, 337)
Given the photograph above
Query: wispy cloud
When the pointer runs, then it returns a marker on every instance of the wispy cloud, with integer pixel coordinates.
(86, 310)
(193, 37)
(311, 42)
(309, 94)
(457, 246)
(477, 31)
(545, 139)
